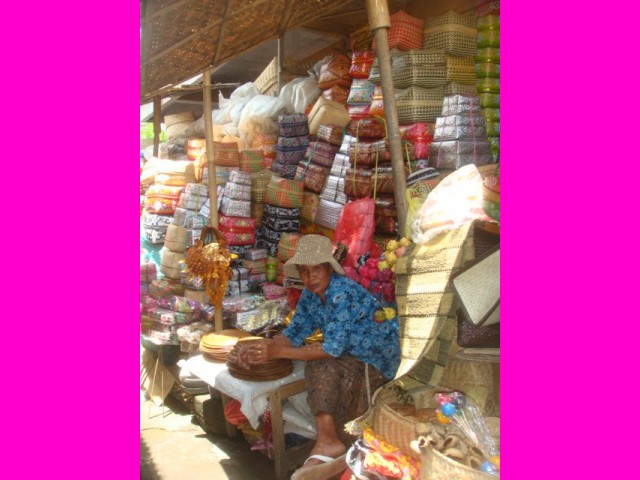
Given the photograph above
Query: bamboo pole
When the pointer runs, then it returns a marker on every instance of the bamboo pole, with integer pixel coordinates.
(280, 62)
(211, 184)
(157, 106)
(379, 22)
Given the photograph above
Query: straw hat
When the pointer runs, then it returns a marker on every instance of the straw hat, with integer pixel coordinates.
(312, 250)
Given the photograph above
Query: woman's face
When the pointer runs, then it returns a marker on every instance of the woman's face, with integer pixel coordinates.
(316, 278)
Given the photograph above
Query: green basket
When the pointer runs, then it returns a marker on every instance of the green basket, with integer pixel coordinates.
(490, 100)
(488, 38)
(493, 128)
(491, 114)
(488, 70)
(489, 85)
(489, 22)
(491, 55)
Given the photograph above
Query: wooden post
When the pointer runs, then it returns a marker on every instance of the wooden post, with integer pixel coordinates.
(212, 184)
(379, 22)
(280, 60)
(157, 106)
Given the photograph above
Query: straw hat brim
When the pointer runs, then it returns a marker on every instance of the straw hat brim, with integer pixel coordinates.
(311, 252)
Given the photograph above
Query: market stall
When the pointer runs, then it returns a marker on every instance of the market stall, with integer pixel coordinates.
(394, 158)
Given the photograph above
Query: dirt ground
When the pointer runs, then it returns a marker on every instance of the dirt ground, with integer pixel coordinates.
(175, 447)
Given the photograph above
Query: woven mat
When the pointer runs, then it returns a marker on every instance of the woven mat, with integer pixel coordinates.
(425, 309)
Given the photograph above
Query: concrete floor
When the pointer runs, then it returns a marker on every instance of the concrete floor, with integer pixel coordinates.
(173, 447)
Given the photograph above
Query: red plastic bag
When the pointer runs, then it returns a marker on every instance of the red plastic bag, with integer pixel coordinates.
(355, 229)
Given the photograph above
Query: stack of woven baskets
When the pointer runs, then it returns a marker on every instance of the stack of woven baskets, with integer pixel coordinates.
(259, 181)
(334, 80)
(488, 70)
(293, 140)
(236, 199)
(191, 201)
(454, 35)
(283, 201)
(332, 199)
(461, 134)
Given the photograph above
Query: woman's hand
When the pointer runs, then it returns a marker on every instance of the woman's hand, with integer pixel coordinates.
(262, 352)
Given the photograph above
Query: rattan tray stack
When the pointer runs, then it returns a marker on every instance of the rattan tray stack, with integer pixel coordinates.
(265, 372)
(216, 346)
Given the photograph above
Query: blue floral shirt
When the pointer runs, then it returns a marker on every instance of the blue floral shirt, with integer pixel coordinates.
(347, 323)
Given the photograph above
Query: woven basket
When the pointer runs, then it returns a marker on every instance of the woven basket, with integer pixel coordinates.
(488, 70)
(405, 32)
(435, 466)
(417, 57)
(358, 183)
(361, 62)
(397, 429)
(226, 154)
(453, 87)
(416, 104)
(259, 182)
(490, 55)
(267, 143)
(461, 70)
(287, 246)
(314, 176)
(337, 93)
(182, 117)
(330, 133)
(361, 38)
(252, 160)
(310, 208)
(321, 153)
(328, 214)
(371, 128)
(489, 22)
(432, 76)
(336, 72)
(285, 193)
(451, 18)
(489, 38)
(325, 111)
(451, 42)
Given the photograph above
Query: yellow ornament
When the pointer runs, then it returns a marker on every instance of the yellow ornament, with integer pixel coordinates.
(392, 245)
(442, 418)
(393, 268)
(404, 242)
(383, 266)
(495, 461)
(390, 257)
(389, 312)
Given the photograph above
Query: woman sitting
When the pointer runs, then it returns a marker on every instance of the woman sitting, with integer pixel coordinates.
(358, 354)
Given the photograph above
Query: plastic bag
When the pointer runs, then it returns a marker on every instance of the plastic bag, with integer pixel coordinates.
(260, 115)
(299, 93)
(355, 229)
(233, 106)
(455, 201)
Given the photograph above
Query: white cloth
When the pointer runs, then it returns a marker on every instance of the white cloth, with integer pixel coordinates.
(251, 395)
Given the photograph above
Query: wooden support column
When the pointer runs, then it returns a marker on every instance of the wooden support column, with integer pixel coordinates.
(379, 22)
(280, 61)
(212, 184)
(157, 106)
